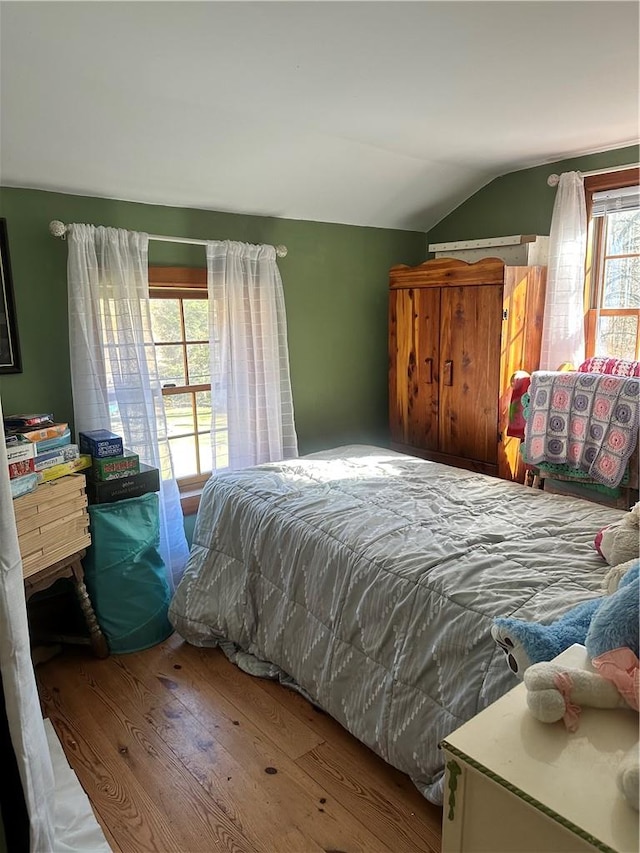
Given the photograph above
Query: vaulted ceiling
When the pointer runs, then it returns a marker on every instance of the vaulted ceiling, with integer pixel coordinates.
(370, 113)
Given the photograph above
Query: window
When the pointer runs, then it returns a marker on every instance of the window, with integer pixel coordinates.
(180, 325)
(613, 265)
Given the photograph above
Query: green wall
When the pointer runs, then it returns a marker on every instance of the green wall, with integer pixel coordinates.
(520, 202)
(335, 280)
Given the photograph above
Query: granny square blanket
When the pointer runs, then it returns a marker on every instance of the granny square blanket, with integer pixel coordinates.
(588, 421)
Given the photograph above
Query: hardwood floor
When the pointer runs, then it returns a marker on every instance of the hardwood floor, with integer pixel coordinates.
(179, 750)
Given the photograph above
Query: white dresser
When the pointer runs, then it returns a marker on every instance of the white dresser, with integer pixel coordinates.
(514, 784)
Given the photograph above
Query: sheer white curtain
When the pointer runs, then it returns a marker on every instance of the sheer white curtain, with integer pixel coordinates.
(21, 696)
(250, 381)
(563, 329)
(114, 371)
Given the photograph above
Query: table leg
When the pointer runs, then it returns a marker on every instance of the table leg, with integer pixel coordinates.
(96, 637)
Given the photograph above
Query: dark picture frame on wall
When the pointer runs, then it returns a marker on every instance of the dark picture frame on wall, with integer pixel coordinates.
(9, 344)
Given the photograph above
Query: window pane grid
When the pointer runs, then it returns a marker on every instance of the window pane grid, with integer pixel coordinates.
(189, 442)
(614, 324)
(196, 437)
(185, 360)
(628, 255)
(621, 288)
(623, 233)
(180, 326)
(617, 336)
(619, 271)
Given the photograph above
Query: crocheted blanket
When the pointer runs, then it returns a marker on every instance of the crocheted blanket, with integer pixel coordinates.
(588, 421)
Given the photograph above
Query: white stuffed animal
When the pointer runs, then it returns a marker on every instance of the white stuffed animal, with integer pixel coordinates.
(620, 542)
(556, 692)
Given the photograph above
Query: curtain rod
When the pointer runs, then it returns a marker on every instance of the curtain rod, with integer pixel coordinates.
(59, 229)
(553, 180)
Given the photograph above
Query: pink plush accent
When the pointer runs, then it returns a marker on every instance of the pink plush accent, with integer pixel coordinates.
(615, 366)
(622, 668)
(564, 684)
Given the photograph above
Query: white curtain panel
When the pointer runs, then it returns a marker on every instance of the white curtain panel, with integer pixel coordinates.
(26, 725)
(114, 370)
(563, 329)
(250, 381)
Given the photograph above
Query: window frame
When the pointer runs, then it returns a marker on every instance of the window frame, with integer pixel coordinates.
(595, 257)
(182, 283)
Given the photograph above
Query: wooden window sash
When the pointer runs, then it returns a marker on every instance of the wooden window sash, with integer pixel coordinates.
(196, 481)
(591, 326)
(170, 292)
(610, 181)
(176, 343)
(596, 257)
(190, 277)
(184, 283)
(593, 267)
(185, 389)
(621, 256)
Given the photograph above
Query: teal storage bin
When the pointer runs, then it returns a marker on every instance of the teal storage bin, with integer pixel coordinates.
(125, 574)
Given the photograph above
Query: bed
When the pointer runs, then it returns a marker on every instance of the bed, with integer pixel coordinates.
(368, 580)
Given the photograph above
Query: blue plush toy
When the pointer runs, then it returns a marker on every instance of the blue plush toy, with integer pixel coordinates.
(557, 692)
(525, 643)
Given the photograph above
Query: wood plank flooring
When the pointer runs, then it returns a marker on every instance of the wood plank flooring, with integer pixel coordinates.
(179, 750)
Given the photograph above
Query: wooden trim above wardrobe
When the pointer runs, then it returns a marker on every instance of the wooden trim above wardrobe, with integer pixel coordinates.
(448, 272)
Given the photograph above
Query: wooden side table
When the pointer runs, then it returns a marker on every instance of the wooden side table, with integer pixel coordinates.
(53, 533)
(71, 567)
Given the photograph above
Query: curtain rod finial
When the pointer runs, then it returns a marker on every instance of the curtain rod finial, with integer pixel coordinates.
(553, 180)
(57, 228)
(281, 251)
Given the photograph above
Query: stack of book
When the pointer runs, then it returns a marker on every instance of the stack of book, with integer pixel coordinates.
(116, 473)
(39, 449)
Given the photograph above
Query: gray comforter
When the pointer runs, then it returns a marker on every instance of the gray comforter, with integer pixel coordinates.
(371, 579)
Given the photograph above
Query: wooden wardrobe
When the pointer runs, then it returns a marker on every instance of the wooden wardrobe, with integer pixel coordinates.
(457, 333)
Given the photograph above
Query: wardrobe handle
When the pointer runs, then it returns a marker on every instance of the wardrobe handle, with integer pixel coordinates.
(448, 373)
(429, 363)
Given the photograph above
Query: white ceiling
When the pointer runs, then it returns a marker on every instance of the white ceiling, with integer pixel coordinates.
(369, 113)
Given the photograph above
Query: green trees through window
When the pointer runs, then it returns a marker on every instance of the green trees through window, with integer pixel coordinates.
(180, 326)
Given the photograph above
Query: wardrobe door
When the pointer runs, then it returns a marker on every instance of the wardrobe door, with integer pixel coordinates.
(470, 371)
(414, 329)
